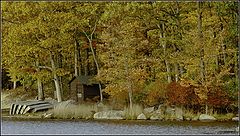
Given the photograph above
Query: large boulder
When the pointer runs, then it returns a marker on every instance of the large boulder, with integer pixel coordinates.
(148, 110)
(205, 117)
(109, 115)
(141, 117)
(235, 119)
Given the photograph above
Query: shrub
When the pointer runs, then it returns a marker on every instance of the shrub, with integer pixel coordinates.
(181, 95)
(217, 97)
(155, 93)
(67, 111)
(132, 114)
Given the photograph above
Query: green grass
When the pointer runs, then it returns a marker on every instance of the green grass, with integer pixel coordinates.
(189, 114)
(132, 114)
(223, 117)
(81, 111)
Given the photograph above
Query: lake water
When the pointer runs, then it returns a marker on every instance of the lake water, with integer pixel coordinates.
(11, 126)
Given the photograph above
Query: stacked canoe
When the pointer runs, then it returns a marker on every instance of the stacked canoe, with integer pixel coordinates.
(23, 107)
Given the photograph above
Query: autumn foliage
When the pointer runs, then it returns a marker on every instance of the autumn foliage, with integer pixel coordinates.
(156, 93)
(217, 97)
(181, 95)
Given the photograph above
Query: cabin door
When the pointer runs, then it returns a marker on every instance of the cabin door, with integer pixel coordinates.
(79, 92)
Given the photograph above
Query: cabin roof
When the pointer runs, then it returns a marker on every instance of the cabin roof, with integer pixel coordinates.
(87, 80)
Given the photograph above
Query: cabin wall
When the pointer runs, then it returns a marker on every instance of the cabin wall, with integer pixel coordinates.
(73, 90)
(79, 92)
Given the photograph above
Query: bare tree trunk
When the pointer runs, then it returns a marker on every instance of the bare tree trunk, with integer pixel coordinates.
(86, 67)
(129, 84)
(14, 84)
(162, 36)
(176, 72)
(89, 37)
(200, 38)
(39, 83)
(169, 78)
(95, 60)
(40, 90)
(224, 54)
(75, 59)
(181, 70)
(79, 59)
(56, 79)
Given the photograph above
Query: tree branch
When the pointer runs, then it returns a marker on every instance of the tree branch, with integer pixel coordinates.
(45, 67)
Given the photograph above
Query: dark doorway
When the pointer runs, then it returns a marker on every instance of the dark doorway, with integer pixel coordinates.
(91, 91)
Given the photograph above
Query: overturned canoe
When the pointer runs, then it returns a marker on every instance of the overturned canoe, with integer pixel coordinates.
(23, 107)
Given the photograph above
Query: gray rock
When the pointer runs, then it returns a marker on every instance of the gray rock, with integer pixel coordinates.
(179, 113)
(195, 118)
(235, 119)
(108, 115)
(148, 110)
(141, 117)
(203, 117)
(237, 129)
(156, 117)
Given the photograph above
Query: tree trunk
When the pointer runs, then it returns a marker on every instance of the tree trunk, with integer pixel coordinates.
(169, 78)
(86, 67)
(56, 80)
(40, 90)
(79, 59)
(206, 108)
(162, 36)
(129, 84)
(39, 83)
(96, 63)
(200, 36)
(14, 84)
(176, 72)
(94, 56)
(75, 60)
(181, 70)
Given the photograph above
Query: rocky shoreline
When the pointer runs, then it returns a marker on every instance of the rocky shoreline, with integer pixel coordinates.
(113, 115)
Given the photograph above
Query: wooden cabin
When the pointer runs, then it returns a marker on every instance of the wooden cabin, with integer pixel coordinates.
(83, 87)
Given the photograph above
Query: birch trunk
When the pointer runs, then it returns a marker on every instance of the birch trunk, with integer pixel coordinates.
(40, 90)
(176, 72)
(79, 60)
(162, 36)
(56, 80)
(39, 83)
(200, 38)
(75, 60)
(14, 84)
(89, 37)
(86, 68)
(95, 60)
(129, 86)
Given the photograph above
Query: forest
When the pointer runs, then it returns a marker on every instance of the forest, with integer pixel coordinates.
(150, 53)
